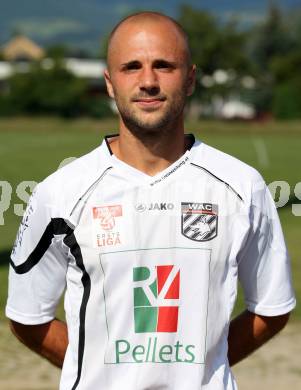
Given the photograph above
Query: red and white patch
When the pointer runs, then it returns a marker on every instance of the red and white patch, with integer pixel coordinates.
(107, 225)
(106, 215)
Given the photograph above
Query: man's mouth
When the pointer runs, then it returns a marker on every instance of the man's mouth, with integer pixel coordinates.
(149, 102)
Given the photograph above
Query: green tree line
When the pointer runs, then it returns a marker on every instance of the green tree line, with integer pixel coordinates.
(269, 53)
(53, 91)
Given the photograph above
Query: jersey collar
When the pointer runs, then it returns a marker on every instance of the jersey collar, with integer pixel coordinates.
(138, 176)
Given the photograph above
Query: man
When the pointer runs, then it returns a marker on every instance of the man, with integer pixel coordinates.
(149, 233)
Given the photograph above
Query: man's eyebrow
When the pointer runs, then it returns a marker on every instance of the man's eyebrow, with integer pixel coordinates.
(130, 64)
(157, 62)
(164, 62)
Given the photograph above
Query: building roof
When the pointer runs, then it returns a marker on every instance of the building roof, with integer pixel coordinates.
(21, 47)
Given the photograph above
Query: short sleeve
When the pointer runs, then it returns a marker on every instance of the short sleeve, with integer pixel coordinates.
(263, 265)
(38, 263)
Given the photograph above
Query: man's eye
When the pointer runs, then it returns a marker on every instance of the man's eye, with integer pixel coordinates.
(163, 65)
(132, 66)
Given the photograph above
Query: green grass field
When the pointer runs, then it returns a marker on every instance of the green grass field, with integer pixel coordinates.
(30, 149)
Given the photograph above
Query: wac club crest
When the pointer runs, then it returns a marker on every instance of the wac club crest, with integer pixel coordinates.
(199, 221)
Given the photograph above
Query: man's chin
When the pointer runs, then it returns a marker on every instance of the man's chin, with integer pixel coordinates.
(146, 125)
(151, 126)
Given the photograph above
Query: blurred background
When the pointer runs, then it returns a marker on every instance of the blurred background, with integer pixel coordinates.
(53, 106)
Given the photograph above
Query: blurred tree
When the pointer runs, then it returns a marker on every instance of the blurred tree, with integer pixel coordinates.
(81, 53)
(217, 49)
(97, 106)
(233, 49)
(214, 45)
(57, 51)
(51, 91)
(269, 43)
(270, 39)
(286, 101)
(104, 46)
(287, 67)
(204, 37)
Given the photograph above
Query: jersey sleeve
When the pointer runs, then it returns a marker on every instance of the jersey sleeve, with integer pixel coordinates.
(264, 264)
(38, 263)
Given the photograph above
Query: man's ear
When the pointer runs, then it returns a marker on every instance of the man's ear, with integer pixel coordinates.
(191, 80)
(109, 84)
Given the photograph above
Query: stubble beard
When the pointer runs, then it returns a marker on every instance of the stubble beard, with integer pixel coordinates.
(156, 126)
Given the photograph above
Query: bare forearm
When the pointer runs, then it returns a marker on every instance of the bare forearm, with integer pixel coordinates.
(48, 340)
(249, 331)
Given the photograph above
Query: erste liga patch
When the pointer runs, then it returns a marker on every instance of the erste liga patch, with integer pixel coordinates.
(199, 221)
(107, 226)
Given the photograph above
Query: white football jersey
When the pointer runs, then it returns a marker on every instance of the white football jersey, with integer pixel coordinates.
(150, 265)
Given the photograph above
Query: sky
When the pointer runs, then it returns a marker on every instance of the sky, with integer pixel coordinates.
(82, 23)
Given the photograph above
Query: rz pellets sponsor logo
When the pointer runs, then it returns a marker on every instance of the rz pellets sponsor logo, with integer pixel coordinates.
(156, 298)
(152, 352)
(156, 310)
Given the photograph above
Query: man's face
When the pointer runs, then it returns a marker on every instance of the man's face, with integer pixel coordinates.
(149, 76)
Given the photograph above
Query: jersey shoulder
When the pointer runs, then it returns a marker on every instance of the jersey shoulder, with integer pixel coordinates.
(68, 184)
(241, 177)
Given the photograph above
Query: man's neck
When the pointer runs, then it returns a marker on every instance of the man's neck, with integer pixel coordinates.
(151, 153)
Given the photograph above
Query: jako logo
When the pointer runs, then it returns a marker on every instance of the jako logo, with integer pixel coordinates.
(140, 207)
(156, 298)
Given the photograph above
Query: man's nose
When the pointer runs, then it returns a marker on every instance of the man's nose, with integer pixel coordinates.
(149, 80)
